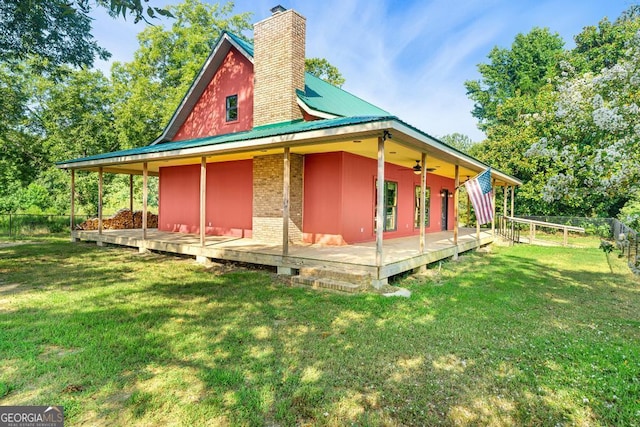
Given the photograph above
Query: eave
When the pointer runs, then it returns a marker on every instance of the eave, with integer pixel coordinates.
(359, 138)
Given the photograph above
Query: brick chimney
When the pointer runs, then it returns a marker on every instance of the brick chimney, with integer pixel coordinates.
(279, 53)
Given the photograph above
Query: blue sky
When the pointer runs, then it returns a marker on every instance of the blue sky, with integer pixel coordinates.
(408, 57)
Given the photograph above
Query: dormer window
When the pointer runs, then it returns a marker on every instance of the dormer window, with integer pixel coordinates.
(232, 108)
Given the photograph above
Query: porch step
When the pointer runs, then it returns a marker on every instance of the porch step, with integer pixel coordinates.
(327, 278)
(325, 283)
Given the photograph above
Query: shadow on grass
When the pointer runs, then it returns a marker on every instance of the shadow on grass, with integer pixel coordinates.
(507, 339)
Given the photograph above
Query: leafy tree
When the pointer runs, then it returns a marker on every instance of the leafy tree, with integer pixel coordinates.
(459, 141)
(74, 116)
(595, 148)
(20, 149)
(149, 89)
(602, 46)
(59, 31)
(321, 68)
(519, 71)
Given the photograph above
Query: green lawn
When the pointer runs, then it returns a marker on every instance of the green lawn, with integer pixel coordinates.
(520, 336)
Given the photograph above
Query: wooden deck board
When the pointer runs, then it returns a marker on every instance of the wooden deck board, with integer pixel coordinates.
(399, 255)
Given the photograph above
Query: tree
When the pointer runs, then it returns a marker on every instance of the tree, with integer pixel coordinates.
(149, 89)
(602, 46)
(74, 118)
(595, 148)
(20, 147)
(458, 141)
(519, 71)
(59, 31)
(322, 69)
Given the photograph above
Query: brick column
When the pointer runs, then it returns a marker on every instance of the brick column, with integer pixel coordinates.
(268, 179)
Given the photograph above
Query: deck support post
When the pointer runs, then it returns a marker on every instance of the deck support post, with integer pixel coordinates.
(100, 183)
(131, 193)
(380, 205)
(423, 201)
(72, 216)
(493, 206)
(286, 186)
(456, 195)
(203, 199)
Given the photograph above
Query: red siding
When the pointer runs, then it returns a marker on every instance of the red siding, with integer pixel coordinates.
(179, 199)
(229, 198)
(339, 199)
(359, 198)
(208, 117)
(323, 180)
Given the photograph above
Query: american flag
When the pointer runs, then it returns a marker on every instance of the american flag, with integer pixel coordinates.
(479, 190)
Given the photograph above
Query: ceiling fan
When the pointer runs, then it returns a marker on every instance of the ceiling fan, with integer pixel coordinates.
(417, 169)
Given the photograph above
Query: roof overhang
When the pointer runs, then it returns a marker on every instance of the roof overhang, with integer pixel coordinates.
(313, 112)
(403, 149)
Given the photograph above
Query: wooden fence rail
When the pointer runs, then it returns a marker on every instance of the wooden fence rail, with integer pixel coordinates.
(508, 226)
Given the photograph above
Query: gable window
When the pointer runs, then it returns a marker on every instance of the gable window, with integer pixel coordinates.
(390, 205)
(416, 214)
(232, 108)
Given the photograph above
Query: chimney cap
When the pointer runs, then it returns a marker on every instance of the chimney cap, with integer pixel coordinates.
(277, 9)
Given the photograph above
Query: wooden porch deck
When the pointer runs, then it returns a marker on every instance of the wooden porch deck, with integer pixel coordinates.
(399, 255)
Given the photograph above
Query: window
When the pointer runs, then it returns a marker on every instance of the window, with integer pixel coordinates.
(390, 205)
(232, 108)
(416, 215)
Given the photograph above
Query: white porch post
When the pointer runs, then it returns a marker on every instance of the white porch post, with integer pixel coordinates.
(380, 207)
(286, 185)
(203, 199)
(423, 201)
(100, 182)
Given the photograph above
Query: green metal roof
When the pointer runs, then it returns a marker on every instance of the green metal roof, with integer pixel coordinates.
(247, 46)
(266, 131)
(325, 97)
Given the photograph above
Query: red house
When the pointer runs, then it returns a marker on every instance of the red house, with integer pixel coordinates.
(262, 153)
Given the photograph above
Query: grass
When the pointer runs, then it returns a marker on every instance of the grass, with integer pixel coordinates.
(573, 239)
(520, 336)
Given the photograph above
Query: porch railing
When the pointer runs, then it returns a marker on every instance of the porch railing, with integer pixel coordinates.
(508, 229)
(511, 229)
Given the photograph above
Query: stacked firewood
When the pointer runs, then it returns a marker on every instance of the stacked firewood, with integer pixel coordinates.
(123, 219)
